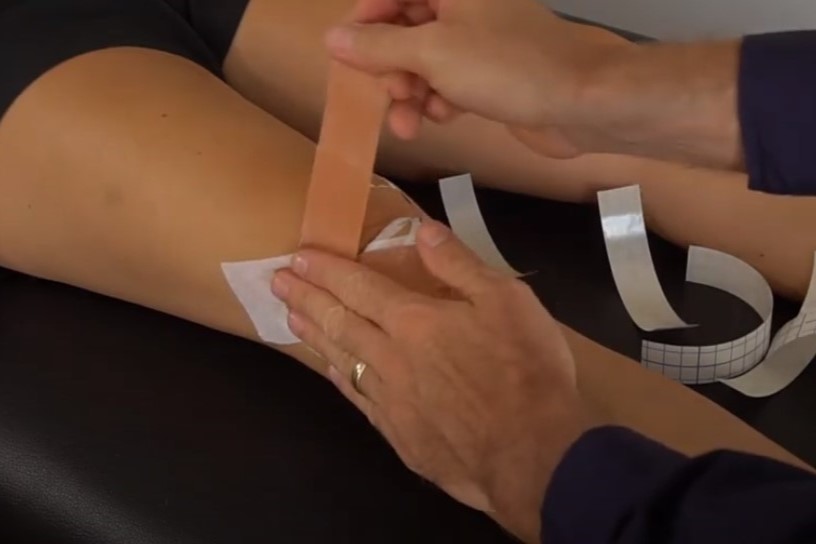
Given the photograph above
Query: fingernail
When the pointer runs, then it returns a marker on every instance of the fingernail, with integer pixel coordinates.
(340, 39)
(433, 233)
(299, 265)
(280, 286)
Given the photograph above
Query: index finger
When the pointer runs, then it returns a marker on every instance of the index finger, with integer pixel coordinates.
(359, 288)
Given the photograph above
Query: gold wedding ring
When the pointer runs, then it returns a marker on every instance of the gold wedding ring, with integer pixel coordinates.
(357, 376)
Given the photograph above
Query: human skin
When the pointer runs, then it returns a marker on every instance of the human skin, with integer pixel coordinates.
(686, 205)
(140, 189)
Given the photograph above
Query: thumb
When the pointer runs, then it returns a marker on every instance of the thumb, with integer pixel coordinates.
(377, 48)
(448, 259)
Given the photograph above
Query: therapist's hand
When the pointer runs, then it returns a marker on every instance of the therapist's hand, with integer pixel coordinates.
(477, 395)
(512, 61)
(563, 88)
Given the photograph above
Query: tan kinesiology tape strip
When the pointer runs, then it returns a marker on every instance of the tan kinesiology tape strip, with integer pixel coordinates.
(336, 201)
(344, 162)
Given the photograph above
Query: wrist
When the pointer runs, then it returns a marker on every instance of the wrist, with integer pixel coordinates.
(666, 101)
(520, 480)
(600, 119)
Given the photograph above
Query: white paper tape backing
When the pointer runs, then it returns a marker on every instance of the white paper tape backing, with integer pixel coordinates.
(466, 220)
(705, 364)
(792, 350)
(755, 364)
(251, 281)
(632, 268)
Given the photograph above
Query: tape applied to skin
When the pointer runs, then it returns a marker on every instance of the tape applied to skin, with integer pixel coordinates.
(251, 282)
(631, 261)
(755, 364)
(466, 220)
(344, 162)
(336, 202)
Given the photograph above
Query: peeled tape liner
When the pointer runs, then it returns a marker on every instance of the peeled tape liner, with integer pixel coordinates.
(705, 364)
(466, 220)
(791, 351)
(251, 281)
(755, 364)
(631, 261)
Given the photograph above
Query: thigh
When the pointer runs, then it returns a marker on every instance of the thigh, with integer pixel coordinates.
(135, 172)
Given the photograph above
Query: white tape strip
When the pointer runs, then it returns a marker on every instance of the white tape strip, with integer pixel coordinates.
(632, 268)
(792, 350)
(251, 281)
(466, 220)
(746, 364)
(706, 364)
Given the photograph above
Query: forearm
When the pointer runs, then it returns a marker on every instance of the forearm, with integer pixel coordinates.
(668, 101)
(685, 205)
(775, 234)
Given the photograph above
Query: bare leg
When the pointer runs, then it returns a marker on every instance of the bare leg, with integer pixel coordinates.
(278, 61)
(665, 411)
(140, 189)
(144, 186)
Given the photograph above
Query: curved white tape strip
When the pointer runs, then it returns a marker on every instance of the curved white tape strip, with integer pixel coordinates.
(746, 364)
(632, 268)
(466, 220)
(706, 364)
(792, 350)
(251, 281)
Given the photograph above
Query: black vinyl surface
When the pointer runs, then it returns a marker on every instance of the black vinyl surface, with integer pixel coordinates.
(122, 425)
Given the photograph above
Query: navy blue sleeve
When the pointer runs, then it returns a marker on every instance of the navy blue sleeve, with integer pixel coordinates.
(616, 486)
(777, 111)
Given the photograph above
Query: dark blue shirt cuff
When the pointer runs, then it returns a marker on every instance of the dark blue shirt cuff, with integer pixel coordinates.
(615, 485)
(603, 475)
(777, 111)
